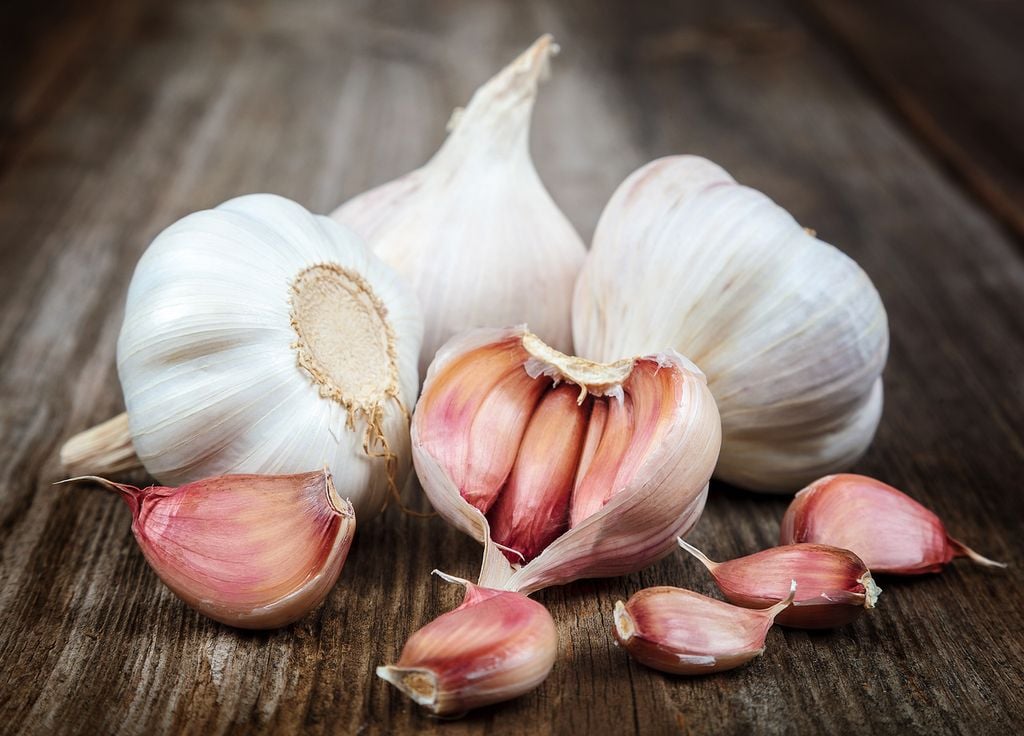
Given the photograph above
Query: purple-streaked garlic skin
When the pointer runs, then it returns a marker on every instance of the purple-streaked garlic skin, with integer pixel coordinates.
(681, 632)
(835, 586)
(250, 551)
(497, 645)
(630, 469)
(891, 532)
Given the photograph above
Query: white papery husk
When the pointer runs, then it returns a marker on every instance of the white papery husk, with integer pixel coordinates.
(206, 355)
(639, 524)
(790, 331)
(474, 230)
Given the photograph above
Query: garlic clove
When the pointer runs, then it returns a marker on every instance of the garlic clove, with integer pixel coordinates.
(790, 332)
(474, 230)
(642, 488)
(533, 507)
(252, 551)
(260, 338)
(497, 645)
(835, 585)
(887, 529)
(684, 633)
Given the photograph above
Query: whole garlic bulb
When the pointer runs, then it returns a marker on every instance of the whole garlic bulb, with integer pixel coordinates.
(474, 230)
(259, 338)
(790, 332)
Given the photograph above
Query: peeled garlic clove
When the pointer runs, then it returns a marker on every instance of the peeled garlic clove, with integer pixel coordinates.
(496, 646)
(634, 486)
(259, 338)
(474, 230)
(790, 332)
(684, 633)
(252, 551)
(887, 529)
(835, 585)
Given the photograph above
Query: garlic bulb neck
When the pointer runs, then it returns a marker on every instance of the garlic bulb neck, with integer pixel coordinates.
(497, 118)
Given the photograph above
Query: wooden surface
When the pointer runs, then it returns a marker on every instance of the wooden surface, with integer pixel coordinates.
(119, 118)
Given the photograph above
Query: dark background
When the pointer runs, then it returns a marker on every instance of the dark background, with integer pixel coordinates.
(892, 127)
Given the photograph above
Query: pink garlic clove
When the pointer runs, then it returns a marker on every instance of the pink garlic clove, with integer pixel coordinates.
(887, 529)
(496, 646)
(835, 585)
(684, 633)
(252, 551)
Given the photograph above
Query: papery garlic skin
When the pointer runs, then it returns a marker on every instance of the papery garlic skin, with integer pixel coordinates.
(790, 332)
(678, 631)
(497, 645)
(835, 585)
(474, 230)
(259, 338)
(655, 489)
(251, 551)
(886, 528)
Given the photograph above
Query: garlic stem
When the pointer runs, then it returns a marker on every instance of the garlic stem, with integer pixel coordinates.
(105, 449)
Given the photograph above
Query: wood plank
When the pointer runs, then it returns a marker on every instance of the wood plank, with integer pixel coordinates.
(199, 103)
(953, 73)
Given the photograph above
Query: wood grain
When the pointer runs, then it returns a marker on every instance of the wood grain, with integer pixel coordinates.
(166, 108)
(952, 72)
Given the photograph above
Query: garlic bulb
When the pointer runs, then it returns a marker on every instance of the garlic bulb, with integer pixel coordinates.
(474, 230)
(790, 332)
(561, 467)
(208, 542)
(259, 338)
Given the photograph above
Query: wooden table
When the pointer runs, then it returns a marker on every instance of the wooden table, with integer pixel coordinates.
(892, 128)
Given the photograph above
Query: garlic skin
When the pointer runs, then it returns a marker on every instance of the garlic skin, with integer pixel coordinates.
(678, 631)
(791, 332)
(496, 646)
(835, 585)
(251, 551)
(637, 484)
(474, 230)
(259, 338)
(886, 528)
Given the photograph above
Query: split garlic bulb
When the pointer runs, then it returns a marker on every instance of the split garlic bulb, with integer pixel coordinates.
(474, 230)
(789, 331)
(563, 468)
(259, 338)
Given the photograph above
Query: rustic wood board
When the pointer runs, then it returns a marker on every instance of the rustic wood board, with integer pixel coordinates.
(122, 117)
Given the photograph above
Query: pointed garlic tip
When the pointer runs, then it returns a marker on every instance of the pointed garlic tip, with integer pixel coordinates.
(704, 559)
(251, 551)
(871, 590)
(625, 628)
(451, 578)
(773, 611)
(962, 550)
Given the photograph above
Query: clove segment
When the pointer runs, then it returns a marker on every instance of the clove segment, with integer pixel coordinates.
(497, 645)
(835, 585)
(684, 633)
(533, 508)
(610, 465)
(252, 551)
(887, 529)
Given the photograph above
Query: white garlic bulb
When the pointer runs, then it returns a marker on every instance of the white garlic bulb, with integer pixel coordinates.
(259, 338)
(790, 332)
(474, 230)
